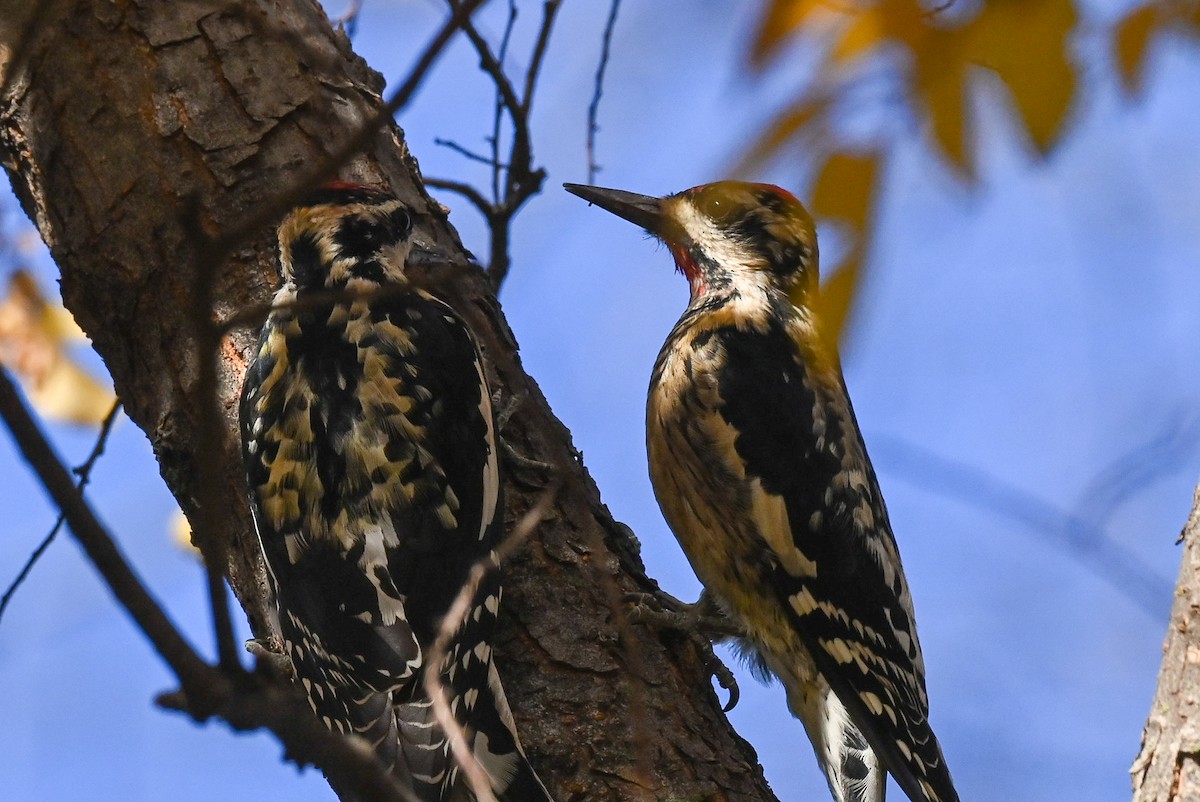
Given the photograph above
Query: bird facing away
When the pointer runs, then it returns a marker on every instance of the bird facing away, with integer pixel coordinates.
(760, 470)
(370, 451)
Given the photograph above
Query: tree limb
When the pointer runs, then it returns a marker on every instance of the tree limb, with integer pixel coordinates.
(129, 132)
(1168, 767)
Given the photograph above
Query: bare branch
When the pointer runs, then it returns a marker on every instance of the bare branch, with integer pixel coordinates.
(349, 764)
(1110, 487)
(470, 154)
(594, 106)
(461, 14)
(467, 191)
(1122, 569)
(549, 13)
(244, 700)
(84, 472)
(99, 545)
(521, 181)
(491, 65)
(498, 111)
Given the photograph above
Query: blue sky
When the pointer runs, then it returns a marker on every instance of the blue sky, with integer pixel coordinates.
(1038, 331)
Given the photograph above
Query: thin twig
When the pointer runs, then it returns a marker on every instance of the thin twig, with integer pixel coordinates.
(594, 106)
(456, 615)
(489, 64)
(498, 109)
(348, 19)
(549, 14)
(462, 151)
(467, 191)
(521, 181)
(84, 472)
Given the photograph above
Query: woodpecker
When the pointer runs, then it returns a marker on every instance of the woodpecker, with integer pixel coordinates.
(370, 451)
(761, 472)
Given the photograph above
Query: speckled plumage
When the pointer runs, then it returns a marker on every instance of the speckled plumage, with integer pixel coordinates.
(371, 457)
(761, 472)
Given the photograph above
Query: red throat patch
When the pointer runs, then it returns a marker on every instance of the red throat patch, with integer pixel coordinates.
(686, 265)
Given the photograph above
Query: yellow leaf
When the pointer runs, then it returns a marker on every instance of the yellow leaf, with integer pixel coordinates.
(940, 81)
(783, 18)
(863, 32)
(61, 324)
(66, 392)
(845, 188)
(788, 125)
(33, 344)
(836, 301)
(181, 533)
(1130, 39)
(1026, 43)
(903, 21)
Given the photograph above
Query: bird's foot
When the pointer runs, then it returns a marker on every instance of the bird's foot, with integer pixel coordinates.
(704, 616)
(702, 621)
(274, 662)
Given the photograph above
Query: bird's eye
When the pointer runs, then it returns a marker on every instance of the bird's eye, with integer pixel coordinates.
(398, 225)
(715, 206)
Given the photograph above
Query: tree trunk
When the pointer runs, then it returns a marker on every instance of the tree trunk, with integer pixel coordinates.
(135, 133)
(1168, 767)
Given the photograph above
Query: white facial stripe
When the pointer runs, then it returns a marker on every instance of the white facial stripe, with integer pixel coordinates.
(715, 243)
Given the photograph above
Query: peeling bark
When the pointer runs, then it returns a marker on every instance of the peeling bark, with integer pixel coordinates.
(1168, 767)
(127, 127)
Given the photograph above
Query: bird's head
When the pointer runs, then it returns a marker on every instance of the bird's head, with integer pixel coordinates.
(725, 234)
(345, 234)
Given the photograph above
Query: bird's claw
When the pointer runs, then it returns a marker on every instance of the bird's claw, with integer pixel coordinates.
(704, 616)
(275, 662)
(702, 621)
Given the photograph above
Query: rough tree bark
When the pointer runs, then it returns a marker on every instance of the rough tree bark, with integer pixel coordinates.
(134, 129)
(1168, 766)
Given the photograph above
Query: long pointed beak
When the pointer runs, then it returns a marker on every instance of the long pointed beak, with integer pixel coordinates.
(641, 210)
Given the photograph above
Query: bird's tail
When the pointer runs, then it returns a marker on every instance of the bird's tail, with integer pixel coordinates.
(851, 767)
(487, 725)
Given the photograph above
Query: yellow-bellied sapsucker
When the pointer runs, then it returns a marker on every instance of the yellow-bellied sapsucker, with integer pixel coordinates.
(371, 456)
(761, 472)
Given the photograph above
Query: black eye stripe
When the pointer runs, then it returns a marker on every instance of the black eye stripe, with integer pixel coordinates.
(361, 236)
(358, 237)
